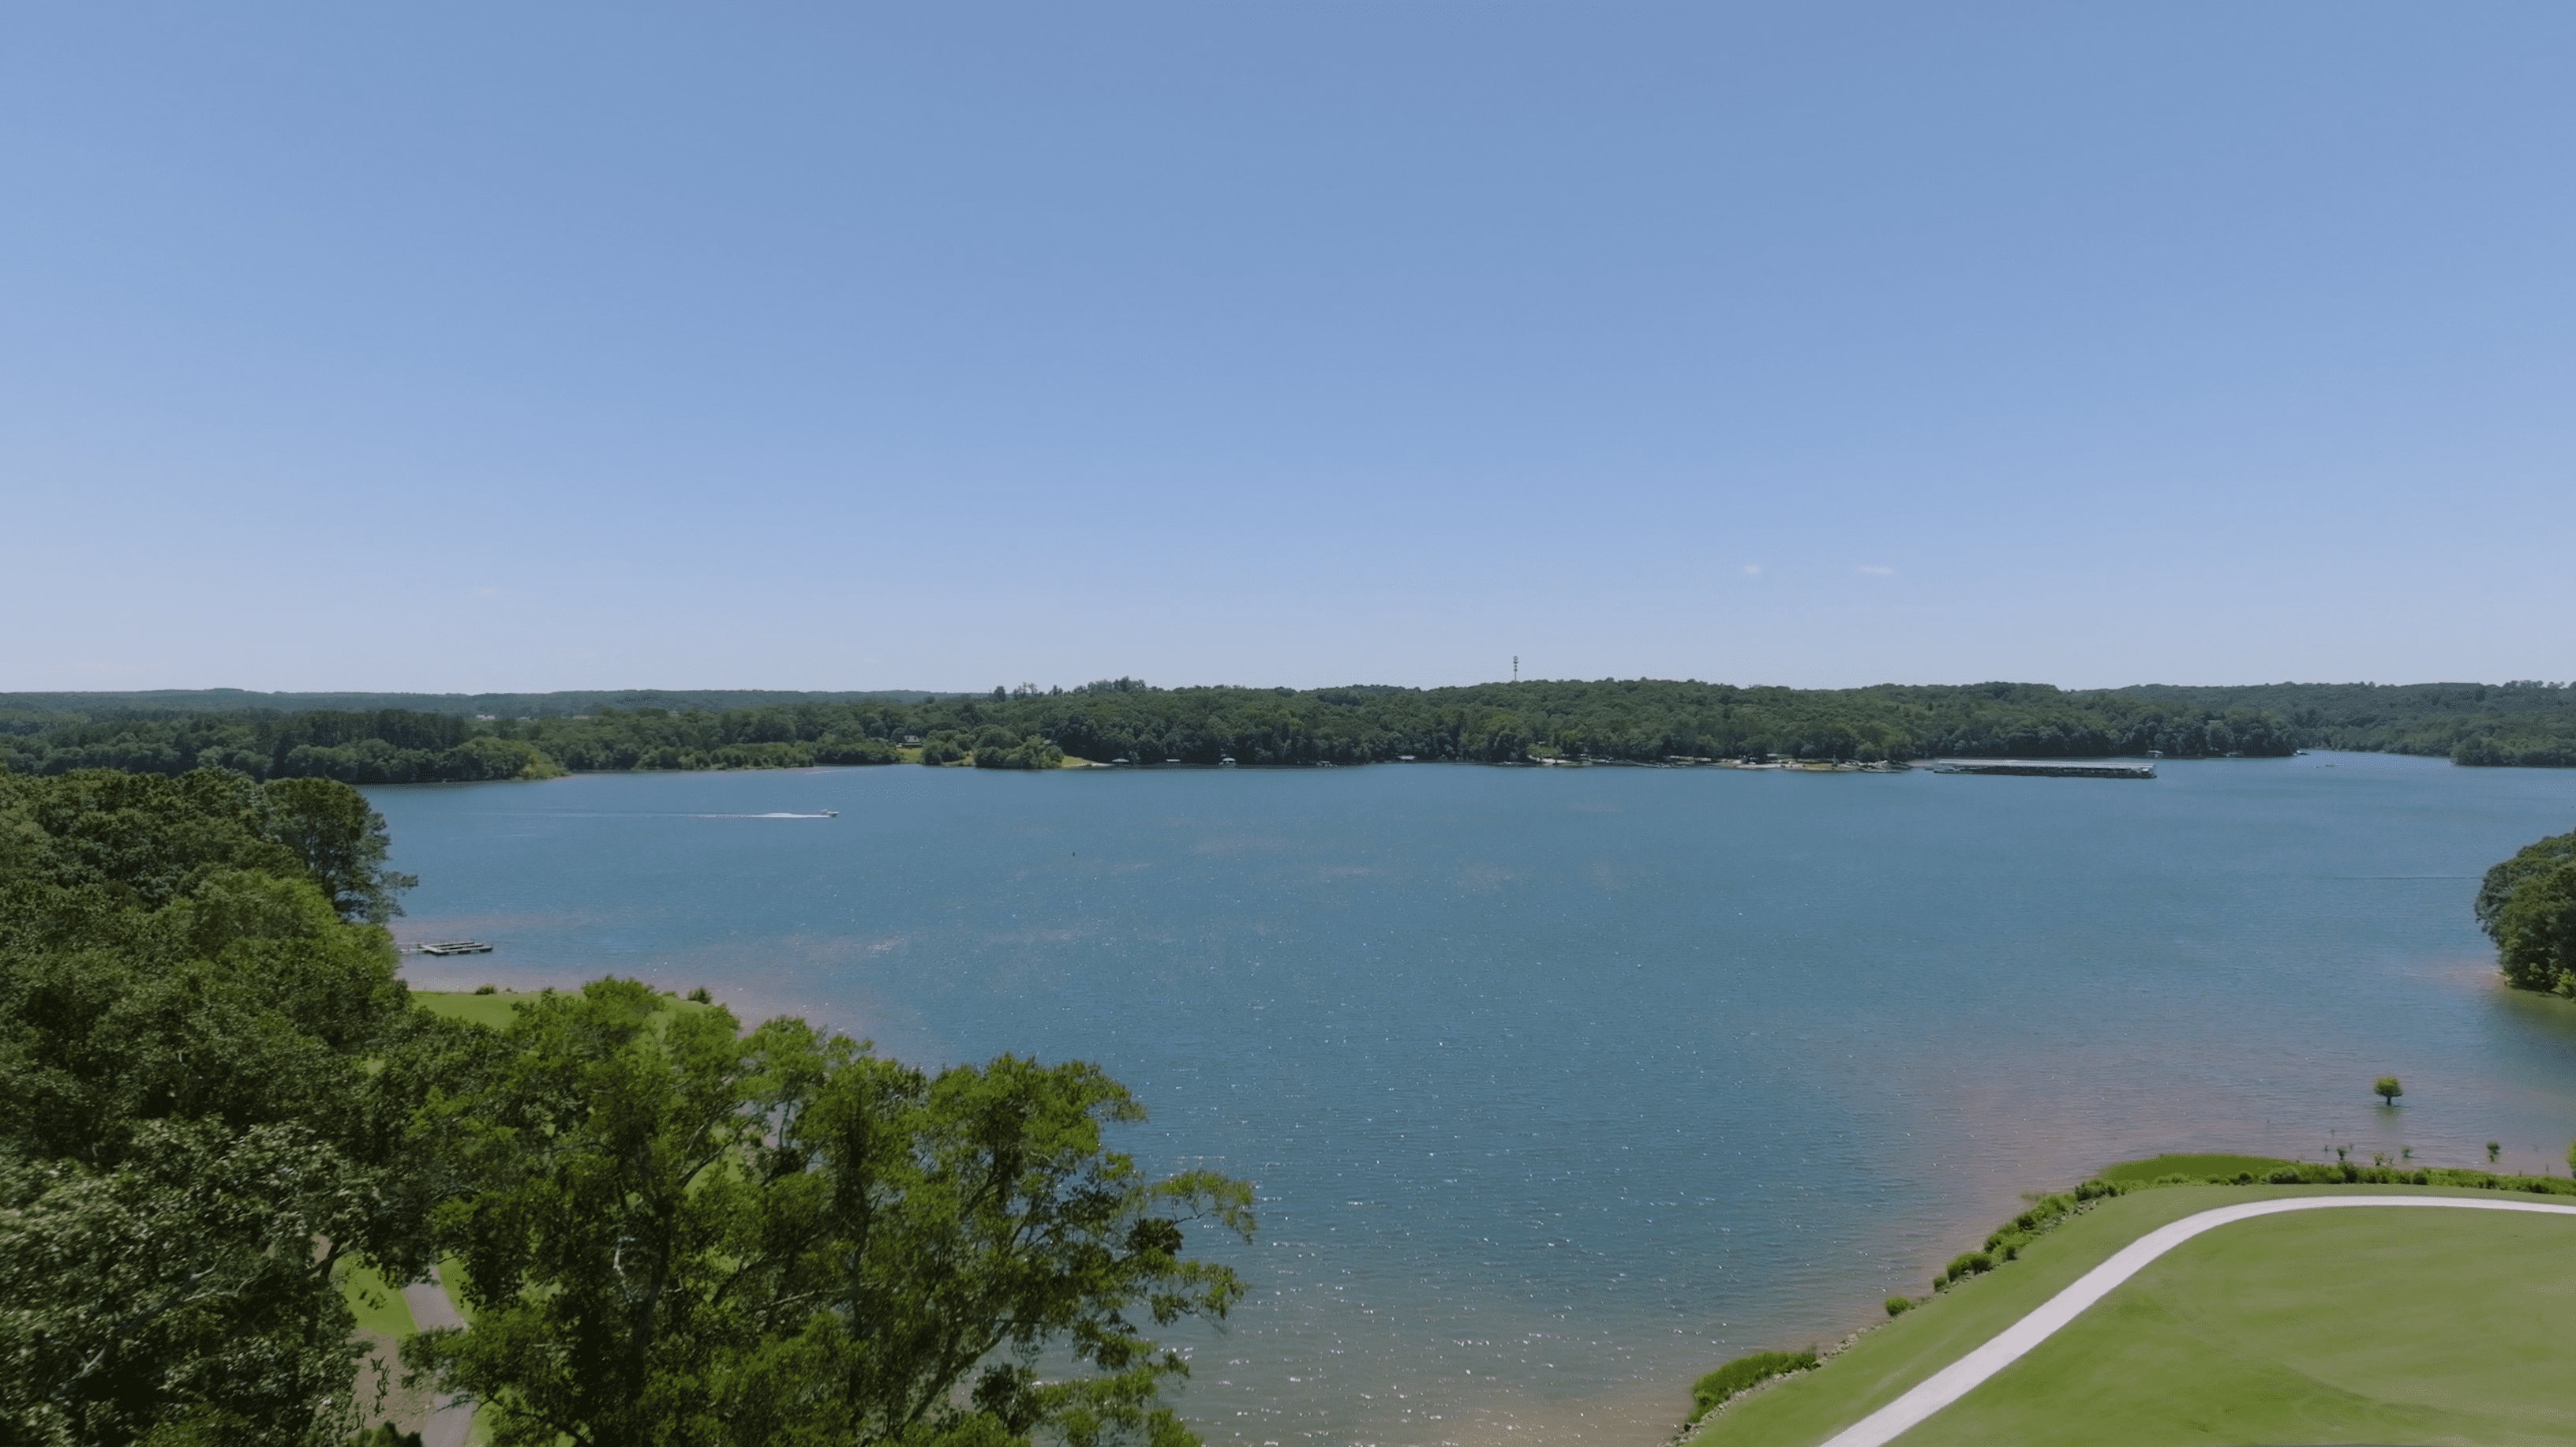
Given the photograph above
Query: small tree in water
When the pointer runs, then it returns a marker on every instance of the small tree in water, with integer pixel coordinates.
(2494, 1149)
(2388, 1089)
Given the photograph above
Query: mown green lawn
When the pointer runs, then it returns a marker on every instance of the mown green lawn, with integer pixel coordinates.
(2408, 1325)
(379, 1305)
(494, 1009)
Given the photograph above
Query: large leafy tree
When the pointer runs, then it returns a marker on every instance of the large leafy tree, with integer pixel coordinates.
(176, 1299)
(678, 1233)
(341, 843)
(961, 1227)
(2537, 857)
(2527, 905)
(211, 1071)
(2535, 930)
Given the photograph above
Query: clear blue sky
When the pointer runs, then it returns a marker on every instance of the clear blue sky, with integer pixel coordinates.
(545, 346)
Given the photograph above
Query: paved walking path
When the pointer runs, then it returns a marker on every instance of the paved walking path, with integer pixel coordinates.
(1956, 1380)
(449, 1419)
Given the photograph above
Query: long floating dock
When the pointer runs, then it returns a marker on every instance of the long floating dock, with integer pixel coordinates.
(2047, 768)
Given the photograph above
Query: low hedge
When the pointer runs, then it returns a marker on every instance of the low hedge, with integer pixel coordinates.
(1742, 1375)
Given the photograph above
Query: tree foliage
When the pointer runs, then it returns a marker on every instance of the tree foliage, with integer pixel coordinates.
(2527, 905)
(676, 1233)
(210, 1070)
(2535, 932)
(2501, 879)
(175, 1298)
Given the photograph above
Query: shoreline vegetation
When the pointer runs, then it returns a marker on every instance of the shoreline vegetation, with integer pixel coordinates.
(2527, 905)
(1745, 1378)
(427, 738)
(242, 1139)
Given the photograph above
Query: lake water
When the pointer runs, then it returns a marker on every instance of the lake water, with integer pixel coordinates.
(1561, 1086)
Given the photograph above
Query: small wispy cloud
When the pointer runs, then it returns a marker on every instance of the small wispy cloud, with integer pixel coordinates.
(1875, 568)
(485, 593)
(1752, 569)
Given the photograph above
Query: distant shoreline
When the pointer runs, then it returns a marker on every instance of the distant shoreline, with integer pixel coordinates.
(1538, 722)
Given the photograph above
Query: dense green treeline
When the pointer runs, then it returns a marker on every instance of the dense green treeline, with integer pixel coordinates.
(666, 1228)
(463, 705)
(388, 746)
(1634, 720)
(2521, 723)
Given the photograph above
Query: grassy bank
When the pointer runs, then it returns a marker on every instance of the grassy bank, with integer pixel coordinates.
(491, 1008)
(2396, 1326)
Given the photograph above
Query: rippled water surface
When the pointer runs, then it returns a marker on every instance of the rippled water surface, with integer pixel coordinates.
(1562, 1086)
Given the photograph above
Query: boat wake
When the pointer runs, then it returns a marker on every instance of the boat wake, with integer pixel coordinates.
(774, 814)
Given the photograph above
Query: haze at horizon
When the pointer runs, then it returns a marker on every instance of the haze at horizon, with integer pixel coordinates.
(630, 347)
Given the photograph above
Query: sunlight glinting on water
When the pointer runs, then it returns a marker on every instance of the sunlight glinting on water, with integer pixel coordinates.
(1561, 1087)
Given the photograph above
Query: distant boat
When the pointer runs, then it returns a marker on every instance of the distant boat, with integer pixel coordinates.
(1228, 759)
(831, 813)
(456, 947)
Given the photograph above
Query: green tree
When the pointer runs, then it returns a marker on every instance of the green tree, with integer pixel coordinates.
(211, 1074)
(342, 844)
(178, 1298)
(2535, 930)
(2537, 857)
(1031, 752)
(677, 1233)
(2387, 1089)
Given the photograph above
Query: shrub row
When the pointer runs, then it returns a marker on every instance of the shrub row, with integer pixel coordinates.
(1742, 1375)
(2005, 1242)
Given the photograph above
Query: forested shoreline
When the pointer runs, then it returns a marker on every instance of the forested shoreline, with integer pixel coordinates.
(1628, 720)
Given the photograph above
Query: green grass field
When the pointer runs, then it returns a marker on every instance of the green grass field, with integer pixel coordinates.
(494, 1009)
(379, 1306)
(2400, 1326)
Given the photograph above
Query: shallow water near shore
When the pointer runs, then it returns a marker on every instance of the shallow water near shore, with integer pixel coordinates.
(1561, 1086)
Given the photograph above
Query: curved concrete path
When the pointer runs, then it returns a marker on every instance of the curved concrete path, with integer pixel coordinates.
(1955, 1380)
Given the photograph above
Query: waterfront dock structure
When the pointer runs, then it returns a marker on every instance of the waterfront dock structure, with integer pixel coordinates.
(2047, 768)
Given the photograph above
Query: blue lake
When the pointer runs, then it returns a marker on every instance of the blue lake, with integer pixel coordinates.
(1561, 1086)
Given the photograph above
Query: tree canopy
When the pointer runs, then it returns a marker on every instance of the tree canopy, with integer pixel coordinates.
(677, 1232)
(2527, 905)
(198, 1029)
